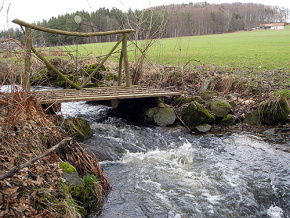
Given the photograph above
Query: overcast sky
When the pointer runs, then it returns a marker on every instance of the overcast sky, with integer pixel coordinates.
(37, 10)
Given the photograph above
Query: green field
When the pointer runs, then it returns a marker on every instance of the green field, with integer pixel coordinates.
(255, 49)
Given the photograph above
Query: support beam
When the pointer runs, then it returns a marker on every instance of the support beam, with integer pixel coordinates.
(126, 62)
(114, 103)
(120, 69)
(28, 44)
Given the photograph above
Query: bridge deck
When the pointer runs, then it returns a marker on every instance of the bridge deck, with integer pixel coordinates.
(100, 94)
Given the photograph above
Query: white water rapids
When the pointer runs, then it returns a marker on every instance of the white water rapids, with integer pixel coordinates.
(166, 172)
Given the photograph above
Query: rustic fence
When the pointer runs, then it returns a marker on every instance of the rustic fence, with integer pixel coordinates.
(29, 48)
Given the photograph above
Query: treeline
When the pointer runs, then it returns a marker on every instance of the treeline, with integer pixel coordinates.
(163, 21)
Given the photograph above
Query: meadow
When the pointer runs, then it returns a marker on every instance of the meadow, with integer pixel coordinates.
(265, 49)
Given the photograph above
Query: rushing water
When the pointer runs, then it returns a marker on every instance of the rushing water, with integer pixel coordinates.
(166, 172)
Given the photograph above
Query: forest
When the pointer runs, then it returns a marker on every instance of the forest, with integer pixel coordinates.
(158, 22)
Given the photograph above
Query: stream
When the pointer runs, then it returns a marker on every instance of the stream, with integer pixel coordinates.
(166, 172)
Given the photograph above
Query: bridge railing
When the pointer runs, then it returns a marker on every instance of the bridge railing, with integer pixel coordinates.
(29, 48)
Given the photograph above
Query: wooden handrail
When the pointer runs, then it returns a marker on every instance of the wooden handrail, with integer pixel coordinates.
(29, 48)
(62, 32)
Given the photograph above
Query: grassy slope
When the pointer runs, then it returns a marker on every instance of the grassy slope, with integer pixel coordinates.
(257, 49)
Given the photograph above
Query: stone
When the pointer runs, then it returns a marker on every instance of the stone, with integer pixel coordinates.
(195, 114)
(204, 85)
(78, 127)
(270, 131)
(203, 128)
(228, 120)
(208, 95)
(162, 116)
(219, 107)
(274, 111)
(252, 118)
(70, 174)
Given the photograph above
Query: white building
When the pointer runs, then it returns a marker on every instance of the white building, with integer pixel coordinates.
(277, 26)
(272, 26)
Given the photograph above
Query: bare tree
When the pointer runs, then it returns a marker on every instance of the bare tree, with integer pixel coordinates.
(149, 26)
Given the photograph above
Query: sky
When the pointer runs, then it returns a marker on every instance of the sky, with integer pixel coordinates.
(36, 10)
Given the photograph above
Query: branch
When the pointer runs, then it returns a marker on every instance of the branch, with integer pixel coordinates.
(28, 163)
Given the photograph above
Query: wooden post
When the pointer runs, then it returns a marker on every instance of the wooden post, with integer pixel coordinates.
(28, 45)
(120, 69)
(126, 63)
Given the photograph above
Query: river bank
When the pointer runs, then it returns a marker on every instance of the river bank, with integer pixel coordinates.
(39, 161)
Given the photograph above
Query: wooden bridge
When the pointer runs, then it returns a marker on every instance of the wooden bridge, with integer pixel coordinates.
(107, 95)
(111, 95)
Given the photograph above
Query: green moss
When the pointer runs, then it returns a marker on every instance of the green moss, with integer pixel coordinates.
(220, 104)
(71, 207)
(77, 127)
(195, 114)
(66, 167)
(228, 120)
(89, 193)
(98, 75)
(219, 107)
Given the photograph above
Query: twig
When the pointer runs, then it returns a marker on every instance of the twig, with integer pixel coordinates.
(28, 163)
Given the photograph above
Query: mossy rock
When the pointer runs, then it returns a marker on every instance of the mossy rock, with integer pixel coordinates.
(228, 120)
(252, 118)
(78, 127)
(184, 100)
(274, 111)
(219, 107)
(195, 114)
(208, 95)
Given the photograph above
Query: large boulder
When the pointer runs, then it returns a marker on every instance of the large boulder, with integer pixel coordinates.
(195, 114)
(161, 116)
(274, 111)
(219, 107)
